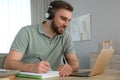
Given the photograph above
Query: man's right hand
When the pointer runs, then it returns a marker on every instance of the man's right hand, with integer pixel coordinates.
(42, 67)
(14, 57)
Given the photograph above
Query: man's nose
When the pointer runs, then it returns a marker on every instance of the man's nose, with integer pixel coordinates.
(66, 23)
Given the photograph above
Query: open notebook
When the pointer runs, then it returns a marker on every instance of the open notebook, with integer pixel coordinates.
(100, 65)
(38, 75)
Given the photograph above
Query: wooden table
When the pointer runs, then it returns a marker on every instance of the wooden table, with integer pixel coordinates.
(111, 74)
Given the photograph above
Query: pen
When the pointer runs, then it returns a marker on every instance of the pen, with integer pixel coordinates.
(39, 58)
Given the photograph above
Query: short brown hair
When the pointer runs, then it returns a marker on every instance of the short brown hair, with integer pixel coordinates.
(61, 4)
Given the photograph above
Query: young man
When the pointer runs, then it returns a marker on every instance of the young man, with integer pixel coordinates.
(46, 42)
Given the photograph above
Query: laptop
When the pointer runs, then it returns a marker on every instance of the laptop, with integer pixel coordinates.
(4, 72)
(100, 65)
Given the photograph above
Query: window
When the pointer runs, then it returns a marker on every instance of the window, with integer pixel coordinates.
(14, 14)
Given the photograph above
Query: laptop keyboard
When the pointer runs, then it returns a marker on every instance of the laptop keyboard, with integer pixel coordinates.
(81, 74)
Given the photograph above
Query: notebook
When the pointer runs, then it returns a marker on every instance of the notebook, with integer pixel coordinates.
(4, 72)
(100, 65)
(38, 75)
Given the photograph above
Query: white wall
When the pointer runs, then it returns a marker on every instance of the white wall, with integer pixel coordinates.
(105, 25)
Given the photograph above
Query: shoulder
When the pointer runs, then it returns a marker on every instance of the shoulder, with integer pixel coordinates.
(66, 34)
(30, 28)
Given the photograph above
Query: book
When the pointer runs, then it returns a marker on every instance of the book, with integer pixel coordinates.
(38, 75)
(6, 73)
(11, 77)
(29, 76)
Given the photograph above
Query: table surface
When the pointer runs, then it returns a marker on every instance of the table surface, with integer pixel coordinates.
(112, 74)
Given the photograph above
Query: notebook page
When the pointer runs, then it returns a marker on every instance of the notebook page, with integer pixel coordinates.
(43, 75)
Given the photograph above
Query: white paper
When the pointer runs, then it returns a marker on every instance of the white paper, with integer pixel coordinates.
(43, 75)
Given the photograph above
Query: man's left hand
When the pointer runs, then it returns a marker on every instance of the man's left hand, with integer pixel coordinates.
(65, 70)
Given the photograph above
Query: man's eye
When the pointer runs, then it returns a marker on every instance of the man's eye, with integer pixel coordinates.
(63, 18)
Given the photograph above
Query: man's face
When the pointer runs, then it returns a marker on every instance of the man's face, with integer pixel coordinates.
(61, 21)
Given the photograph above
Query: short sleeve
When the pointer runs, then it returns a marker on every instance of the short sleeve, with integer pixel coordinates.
(21, 41)
(68, 44)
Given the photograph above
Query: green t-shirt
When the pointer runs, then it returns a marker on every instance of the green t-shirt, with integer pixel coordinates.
(32, 41)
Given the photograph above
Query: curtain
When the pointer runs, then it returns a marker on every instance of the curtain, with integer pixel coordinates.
(38, 10)
(14, 14)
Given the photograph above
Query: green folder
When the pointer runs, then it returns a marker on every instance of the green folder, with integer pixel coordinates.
(29, 76)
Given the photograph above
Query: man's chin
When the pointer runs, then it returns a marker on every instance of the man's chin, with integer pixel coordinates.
(61, 32)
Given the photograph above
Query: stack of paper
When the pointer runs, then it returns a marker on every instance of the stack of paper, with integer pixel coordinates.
(4, 72)
(11, 77)
(38, 75)
(8, 74)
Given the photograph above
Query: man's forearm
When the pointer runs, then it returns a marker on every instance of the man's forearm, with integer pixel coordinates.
(74, 64)
(17, 65)
(75, 67)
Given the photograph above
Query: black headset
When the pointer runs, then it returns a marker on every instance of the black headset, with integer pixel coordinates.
(49, 14)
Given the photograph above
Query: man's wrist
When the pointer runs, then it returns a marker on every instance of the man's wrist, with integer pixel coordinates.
(31, 68)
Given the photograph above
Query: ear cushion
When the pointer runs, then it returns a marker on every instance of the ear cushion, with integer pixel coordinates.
(49, 15)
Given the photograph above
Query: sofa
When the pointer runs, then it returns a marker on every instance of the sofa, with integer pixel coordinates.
(2, 59)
